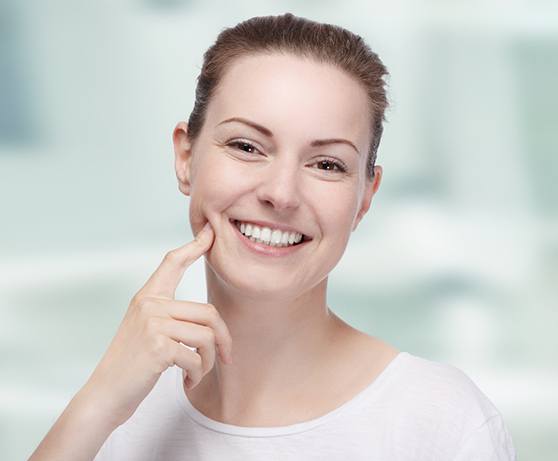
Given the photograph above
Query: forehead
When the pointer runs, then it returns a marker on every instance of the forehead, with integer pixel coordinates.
(293, 96)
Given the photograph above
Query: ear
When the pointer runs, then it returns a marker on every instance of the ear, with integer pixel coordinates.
(371, 186)
(183, 156)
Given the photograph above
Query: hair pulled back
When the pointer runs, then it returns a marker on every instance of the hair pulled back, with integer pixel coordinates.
(287, 33)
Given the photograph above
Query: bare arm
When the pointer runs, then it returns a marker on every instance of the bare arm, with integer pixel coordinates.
(78, 433)
(150, 339)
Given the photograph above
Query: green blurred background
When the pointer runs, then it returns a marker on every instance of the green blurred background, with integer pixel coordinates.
(457, 260)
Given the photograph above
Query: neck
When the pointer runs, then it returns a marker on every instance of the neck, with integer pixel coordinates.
(279, 344)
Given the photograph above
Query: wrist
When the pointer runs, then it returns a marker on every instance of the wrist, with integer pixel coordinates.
(93, 411)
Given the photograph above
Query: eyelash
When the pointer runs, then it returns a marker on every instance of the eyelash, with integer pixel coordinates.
(341, 166)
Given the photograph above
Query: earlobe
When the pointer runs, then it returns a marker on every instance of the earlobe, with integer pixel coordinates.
(183, 156)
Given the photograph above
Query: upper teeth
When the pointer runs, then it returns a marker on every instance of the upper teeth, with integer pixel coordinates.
(274, 237)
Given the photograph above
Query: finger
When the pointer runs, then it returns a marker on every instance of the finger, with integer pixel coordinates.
(196, 313)
(192, 335)
(188, 381)
(203, 314)
(189, 361)
(167, 276)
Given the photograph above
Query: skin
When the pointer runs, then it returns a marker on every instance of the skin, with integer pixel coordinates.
(293, 358)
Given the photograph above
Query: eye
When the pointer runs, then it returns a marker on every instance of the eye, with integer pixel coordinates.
(243, 145)
(330, 165)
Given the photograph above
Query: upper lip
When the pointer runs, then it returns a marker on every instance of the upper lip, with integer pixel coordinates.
(272, 225)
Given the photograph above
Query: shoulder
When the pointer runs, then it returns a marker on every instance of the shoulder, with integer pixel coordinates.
(438, 401)
(425, 386)
(444, 387)
(442, 394)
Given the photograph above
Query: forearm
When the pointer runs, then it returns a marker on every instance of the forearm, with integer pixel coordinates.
(78, 433)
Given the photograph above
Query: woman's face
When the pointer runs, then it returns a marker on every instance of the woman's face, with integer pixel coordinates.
(278, 174)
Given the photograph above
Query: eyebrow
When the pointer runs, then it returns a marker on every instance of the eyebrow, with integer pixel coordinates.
(267, 132)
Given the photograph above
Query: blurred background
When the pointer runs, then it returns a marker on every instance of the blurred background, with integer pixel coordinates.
(457, 260)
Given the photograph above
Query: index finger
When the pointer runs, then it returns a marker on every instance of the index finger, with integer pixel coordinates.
(167, 276)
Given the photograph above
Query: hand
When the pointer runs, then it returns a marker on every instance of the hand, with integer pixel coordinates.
(149, 338)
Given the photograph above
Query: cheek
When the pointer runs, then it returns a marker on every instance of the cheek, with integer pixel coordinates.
(337, 213)
(216, 188)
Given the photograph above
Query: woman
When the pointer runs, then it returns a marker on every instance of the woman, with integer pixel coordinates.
(278, 159)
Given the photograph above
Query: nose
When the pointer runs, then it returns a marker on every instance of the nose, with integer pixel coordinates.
(279, 185)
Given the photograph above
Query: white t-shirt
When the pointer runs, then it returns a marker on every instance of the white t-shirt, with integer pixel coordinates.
(416, 409)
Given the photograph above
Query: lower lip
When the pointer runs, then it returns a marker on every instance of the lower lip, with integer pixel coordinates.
(266, 250)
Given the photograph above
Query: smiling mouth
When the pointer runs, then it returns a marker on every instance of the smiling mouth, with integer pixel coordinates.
(303, 238)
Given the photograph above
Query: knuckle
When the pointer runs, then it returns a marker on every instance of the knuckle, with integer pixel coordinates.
(208, 364)
(141, 302)
(158, 345)
(169, 356)
(136, 300)
(172, 257)
(213, 312)
(198, 362)
(153, 325)
(209, 335)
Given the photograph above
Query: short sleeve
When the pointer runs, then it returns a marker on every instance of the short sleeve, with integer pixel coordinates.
(489, 442)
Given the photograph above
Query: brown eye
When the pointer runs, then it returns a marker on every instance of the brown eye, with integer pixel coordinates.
(331, 165)
(243, 146)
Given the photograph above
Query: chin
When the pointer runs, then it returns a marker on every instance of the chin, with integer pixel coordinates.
(253, 282)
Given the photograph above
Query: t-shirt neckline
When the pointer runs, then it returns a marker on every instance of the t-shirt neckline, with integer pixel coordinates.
(270, 431)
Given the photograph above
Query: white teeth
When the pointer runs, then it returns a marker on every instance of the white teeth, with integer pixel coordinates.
(276, 236)
(268, 236)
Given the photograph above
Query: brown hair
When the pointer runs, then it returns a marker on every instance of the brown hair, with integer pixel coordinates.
(302, 37)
